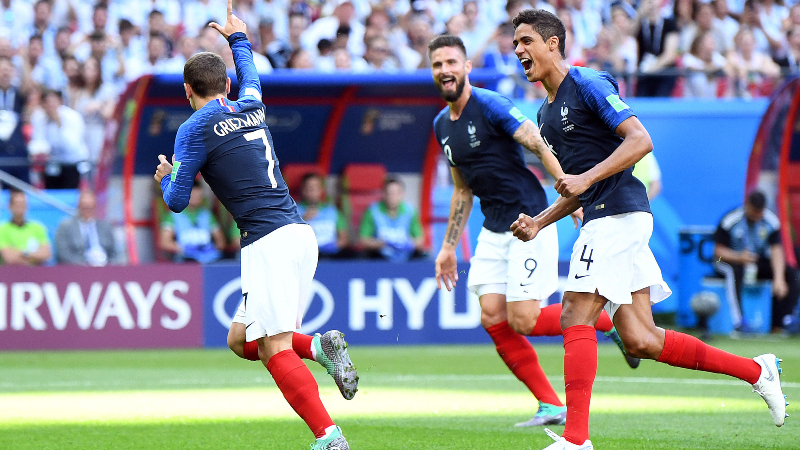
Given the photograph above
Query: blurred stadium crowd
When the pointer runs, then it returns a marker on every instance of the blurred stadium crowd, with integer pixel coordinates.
(64, 63)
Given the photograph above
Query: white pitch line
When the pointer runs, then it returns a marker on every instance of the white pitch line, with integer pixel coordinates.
(365, 377)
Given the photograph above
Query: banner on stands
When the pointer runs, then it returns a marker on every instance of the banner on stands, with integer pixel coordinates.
(71, 307)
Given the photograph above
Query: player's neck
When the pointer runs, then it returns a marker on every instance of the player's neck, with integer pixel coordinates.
(553, 80)
(199, 102)
(457, 107)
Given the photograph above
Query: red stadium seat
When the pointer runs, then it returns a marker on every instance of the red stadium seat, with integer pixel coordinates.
(362, 184)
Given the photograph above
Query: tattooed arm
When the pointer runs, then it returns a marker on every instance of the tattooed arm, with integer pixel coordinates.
(460, 208)
(528, 136)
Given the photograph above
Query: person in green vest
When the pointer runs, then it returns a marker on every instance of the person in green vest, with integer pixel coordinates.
(329, 224)
(193, 234)
(648, 172)
(23, 242)
(390, 228)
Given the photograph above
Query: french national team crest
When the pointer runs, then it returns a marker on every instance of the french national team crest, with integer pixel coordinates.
(473, 140)
(566, 126)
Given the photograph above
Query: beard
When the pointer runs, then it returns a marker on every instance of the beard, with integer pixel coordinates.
(452, 96)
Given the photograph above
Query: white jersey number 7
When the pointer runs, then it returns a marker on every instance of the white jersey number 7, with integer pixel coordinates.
(262, 134)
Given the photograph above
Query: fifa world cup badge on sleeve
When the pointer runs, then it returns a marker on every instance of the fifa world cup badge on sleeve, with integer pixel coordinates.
(175, 168)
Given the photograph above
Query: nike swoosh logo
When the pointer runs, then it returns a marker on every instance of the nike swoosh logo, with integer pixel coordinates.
(769, 371)
(445, 140)
(526, 284)
(582, 276)
(250, 324)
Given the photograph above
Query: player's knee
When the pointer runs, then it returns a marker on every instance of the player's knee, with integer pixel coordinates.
(523, 324)
(643, 345)
(490, 318)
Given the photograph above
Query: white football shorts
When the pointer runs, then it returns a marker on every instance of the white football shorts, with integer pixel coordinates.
(612, 256)
(503, 264)
(277, 271)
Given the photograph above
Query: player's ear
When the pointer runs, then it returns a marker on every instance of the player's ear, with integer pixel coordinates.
(188, 90)
(227, 86)
(468, 66)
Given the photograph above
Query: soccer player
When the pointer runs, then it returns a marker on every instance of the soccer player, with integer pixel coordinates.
(597, 138)
(482, 134)
(229, 143)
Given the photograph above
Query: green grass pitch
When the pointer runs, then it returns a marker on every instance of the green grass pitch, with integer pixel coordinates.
(443, 397)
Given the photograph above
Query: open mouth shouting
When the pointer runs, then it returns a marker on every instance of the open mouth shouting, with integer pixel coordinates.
(448, 82)
(527, 64)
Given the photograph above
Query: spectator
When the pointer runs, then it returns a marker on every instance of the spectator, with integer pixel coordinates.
(622, 42)
(43, 26)
(794, 17)
(476, 30)
(703, 23)
(390, 228)
(12, 105)
(705, 67)
(74, 77)
(771, 14)
(378, 55)
(85, 239)
(16, 19)
(419, 34)
(658, 52)
(586, 22)
(751, 19)
(753, 71)
(789, 58)
(96, 102)
(501, 57)
(38, 68)
(326, 27)
(187, 47)
(156, 58)
(193, 234)
(132, 46)
(648, 172)
(748, 244)
(197, 14)
(275, 49)
(58, 132)
(23, 242)
(724, 25)
(328, 223)
(157, 26)
(63, 43)
(300, 59)
(109, 54)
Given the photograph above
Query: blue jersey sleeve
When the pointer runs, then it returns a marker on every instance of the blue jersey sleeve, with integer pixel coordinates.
(190, 156)
(249, 84)
(600, 93)
(499, 111)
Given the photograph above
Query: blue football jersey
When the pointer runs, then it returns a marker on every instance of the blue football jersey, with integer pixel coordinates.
(481, 145)
(230, 144)
(580, 126)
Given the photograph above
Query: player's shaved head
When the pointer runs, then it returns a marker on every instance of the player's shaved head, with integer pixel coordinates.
(546, 24)
(446, 40)
(206, 74)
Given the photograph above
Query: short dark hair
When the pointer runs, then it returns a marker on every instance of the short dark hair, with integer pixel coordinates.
(310, 176)
(391, 179)
(757, 200)
(97, 35)
(546, 24)
(101, 5)
(46, 92)
(125, 25)
(206, 74)
(446, 40)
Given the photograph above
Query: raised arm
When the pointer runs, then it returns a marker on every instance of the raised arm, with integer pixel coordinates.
(526, 227)
(235, 31)
(529, 137)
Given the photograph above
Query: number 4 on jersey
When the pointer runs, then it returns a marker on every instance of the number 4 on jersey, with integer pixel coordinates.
(589, 260)
(262, 134)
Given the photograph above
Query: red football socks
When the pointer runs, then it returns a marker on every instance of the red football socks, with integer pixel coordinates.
(580, 369)
(549, 322)
(682, 350)
(521, 358)
(300, 389)
(301, 344)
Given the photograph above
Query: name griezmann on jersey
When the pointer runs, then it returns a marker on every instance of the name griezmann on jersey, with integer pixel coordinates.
(226, 126)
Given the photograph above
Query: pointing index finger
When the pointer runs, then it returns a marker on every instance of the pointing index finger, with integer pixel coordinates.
(230, 8)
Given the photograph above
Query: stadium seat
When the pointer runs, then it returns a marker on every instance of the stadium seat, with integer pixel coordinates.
(293, 175)
(361, 185)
